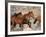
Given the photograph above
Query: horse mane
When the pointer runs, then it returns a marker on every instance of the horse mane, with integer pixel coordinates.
(15, 14)
(30, 12)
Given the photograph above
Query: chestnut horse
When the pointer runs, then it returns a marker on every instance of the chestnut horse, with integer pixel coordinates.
(21, 19)
(17, 19)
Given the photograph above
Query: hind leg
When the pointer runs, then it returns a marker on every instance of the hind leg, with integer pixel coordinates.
(21, 26)
(14, 25)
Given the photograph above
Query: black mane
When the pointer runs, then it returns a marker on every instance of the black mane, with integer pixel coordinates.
(17, 14)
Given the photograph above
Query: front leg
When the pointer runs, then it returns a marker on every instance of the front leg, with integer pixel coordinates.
(29, 23)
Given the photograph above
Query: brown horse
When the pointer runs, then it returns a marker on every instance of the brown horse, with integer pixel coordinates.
(17, 19)
(30, 14)
(21, 19)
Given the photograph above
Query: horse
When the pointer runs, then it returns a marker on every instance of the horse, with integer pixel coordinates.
(21, 19)
(17, 19)
(27, 17)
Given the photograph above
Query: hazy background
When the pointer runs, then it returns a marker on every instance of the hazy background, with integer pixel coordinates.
(25, 9)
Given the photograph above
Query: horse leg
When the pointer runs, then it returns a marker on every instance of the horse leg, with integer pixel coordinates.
(14, 24)
(29, 25)
(20, 25)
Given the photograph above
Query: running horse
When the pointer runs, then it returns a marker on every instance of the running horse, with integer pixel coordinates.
(21, 19)
(17, 19)
(27, 17)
